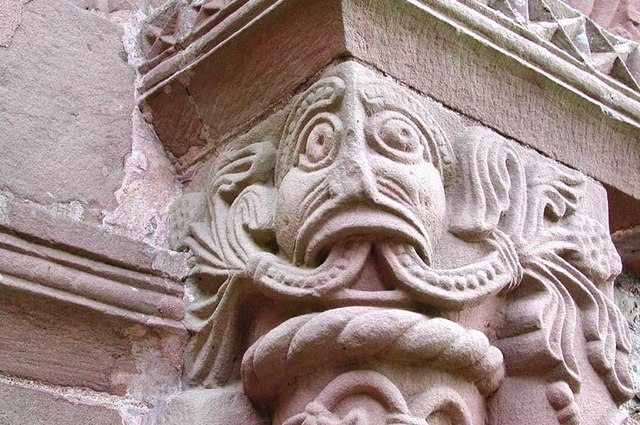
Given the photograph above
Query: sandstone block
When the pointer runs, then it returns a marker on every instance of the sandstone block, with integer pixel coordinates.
(83, 307)
(28, 406)
(213, 407)
(65, 107)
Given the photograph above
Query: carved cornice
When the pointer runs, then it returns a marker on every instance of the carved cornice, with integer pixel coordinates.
(570, 35)
(231, 69)
(184, 32)
(75, 263)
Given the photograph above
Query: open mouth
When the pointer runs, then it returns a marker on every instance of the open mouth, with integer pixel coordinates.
(360, 222)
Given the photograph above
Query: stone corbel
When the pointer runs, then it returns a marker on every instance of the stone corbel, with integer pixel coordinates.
(368, 255)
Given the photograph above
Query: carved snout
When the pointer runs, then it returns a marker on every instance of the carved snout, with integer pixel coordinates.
(351, 177)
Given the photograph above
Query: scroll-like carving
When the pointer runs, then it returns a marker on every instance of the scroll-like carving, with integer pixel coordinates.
(365, 262)
(369, 383)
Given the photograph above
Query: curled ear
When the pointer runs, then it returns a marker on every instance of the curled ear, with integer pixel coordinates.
(241, 199)
(490, 189)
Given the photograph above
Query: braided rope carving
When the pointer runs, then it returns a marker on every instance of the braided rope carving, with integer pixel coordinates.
(345, 335)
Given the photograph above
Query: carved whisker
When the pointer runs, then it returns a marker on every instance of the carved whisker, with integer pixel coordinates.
(450, 289)
(278, 278)
(395, 191)
(315, 199)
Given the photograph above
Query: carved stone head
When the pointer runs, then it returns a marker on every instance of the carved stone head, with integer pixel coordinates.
(491, 265)
(356, 159)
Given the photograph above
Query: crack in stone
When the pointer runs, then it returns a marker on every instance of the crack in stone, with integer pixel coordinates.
(10, 19)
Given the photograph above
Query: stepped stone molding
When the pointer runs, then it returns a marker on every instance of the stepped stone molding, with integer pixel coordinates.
(246, 58)
(185, 31)
(382, 263)
(110, 273)
(620, 17)
(566, 31)
(77, 289)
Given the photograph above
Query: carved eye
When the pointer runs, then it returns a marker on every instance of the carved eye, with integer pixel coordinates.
(318, 141)
(394, 135)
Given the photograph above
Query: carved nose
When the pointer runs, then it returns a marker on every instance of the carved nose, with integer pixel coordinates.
(352, 177)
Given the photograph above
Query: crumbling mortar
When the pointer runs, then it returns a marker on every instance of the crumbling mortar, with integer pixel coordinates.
(131, 191)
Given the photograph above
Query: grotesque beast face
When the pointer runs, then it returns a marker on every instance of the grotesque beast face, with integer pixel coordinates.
(355, 161)
(352, 287)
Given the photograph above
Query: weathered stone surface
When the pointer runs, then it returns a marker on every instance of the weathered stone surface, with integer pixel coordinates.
(35, 223)
(65, 107)
(109, 6)
(265, 61)
(496, 74)
(628, 244)
(382, 259)
(58, 341)
(222, 406)
(84, 307)
(364, 255)
(559, 112)
(624, 225)
(627, 296)
(20, 405)
(10, 15)
(622, 17)
(149, 186)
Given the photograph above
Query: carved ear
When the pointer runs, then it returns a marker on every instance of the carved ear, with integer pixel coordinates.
(235, 170)
(490, 182)
(240, 210)
(241, 223)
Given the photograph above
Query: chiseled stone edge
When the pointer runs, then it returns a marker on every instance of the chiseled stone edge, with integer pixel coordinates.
(581, 90)
(196, 44)
(194, 47)
(83, 264)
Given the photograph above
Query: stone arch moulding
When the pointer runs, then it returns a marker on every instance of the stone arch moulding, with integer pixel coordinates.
(377, 242)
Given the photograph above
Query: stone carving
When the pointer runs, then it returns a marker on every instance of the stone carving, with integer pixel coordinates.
(620, 17)
(582, 38)
(177, 23)
(371, 269)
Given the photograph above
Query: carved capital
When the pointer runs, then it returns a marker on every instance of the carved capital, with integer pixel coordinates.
(379, 262)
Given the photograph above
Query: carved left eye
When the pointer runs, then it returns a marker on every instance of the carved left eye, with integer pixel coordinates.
(318, 141)
(394, 135)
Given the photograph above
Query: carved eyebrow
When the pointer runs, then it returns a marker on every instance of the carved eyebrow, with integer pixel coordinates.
(376, 97)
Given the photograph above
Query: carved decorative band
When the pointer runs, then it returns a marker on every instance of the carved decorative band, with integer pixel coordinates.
(67, 271)
(355, 334)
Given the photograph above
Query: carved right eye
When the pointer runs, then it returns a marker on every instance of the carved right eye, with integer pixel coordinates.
(318, 142)
(396, 136)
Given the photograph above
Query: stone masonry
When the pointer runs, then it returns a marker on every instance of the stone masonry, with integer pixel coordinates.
(296, 212)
